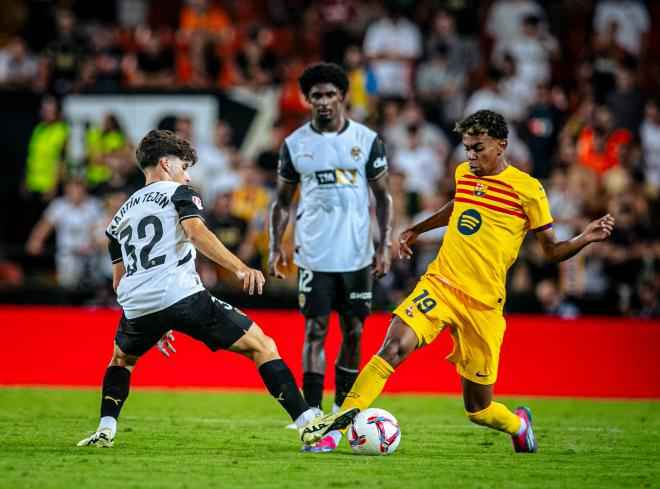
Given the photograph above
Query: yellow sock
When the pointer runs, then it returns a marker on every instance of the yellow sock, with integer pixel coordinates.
(496, 416)
(368, 385)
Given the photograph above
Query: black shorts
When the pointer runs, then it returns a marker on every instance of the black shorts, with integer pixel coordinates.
(348, 293)
(201, 316)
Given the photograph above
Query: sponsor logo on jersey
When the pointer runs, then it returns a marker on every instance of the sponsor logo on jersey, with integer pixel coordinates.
(356, 153)
(197, 201)
(480, 189)
(380, 162)
(338, 176)
(469, 222)
(360, 296)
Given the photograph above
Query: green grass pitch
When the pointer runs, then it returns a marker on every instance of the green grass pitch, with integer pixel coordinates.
(191, 439)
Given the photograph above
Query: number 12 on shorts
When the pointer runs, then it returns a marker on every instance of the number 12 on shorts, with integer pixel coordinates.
(424, 302)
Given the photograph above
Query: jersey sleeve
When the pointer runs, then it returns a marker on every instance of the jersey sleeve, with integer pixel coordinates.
(285, 169)
(114, 248)
(377, 161)
(187, 203)
(538, 209)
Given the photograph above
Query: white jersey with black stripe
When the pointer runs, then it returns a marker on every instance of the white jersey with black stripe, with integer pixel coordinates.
(332, 228)
(147, 236)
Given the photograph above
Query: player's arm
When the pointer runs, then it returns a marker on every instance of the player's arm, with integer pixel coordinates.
(597, 230)
(287, 183)
(208, 244)
(384, 216)
(437, 220)
(376, 170)
(35, 242)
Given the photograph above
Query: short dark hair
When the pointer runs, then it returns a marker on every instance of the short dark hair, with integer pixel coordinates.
(483, 122)
(323, 73)
(158, 143)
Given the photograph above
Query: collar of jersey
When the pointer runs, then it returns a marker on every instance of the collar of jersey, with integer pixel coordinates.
(346, 122)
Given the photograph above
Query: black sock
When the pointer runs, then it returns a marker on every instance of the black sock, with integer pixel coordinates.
(344, 380)
(313, 388)
(282, 386)
(116, 384)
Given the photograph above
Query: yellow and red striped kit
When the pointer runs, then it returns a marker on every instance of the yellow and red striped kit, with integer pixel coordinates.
(490, 218)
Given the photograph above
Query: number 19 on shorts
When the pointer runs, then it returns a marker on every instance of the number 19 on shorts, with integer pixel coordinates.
(424, 302)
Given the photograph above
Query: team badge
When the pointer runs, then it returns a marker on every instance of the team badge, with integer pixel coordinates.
(409, 311)
(469, 222)
(301, 300)
(356, 153)
(197, 201)
(480, 190)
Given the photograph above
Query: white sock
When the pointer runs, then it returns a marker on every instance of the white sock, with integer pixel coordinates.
(335, 435)
(108, 422)
(305, 418)
(523, 427)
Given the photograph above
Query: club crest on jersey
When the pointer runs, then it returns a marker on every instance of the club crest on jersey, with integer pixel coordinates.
(469, 222)
(480, 189)
(197, 201)
(356, 153)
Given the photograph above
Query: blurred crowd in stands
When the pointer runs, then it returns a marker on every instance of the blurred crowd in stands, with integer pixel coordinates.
(578, 81)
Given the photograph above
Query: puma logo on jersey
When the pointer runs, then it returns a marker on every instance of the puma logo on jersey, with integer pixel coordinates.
(116, 401)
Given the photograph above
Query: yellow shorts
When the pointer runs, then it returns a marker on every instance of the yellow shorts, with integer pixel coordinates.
(477, 330)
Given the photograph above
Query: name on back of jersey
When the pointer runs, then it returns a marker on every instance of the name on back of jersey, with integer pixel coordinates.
(157, 198)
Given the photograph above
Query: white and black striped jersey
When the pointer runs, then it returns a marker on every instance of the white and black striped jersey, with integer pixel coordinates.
(332, 229)
(147, 236)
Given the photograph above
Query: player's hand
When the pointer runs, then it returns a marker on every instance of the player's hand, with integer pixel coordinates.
(406, 238)
(251, 278)
(277, 258)
(600, 229)
(164, 345)
(381, 262)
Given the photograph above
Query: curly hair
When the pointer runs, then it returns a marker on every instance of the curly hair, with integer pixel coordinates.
(158, 143)
(483, 122)
(323, 73)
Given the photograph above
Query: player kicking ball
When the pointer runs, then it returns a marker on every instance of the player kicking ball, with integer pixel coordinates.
(463, 289)
(152, 242)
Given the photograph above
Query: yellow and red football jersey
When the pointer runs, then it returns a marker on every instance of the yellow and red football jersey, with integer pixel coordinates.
(490, 219)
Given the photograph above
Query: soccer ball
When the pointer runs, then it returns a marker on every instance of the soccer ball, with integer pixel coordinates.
(374, 432)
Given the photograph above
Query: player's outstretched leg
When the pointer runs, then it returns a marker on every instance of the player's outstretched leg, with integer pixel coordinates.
(400, 341)
(116, 385)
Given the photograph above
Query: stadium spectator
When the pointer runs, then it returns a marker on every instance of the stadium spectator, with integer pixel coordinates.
(463, 54)
(504, 18)
(362, 81)
(100, 141)
(65, 52)
(544, 121)
(553, 302)
(215, 173)
(601, 146)
(255, 61)
(626, 100)
(649, 134)
(152, 67)
(72, 218)
(442, 88)
(18, 65)
(393, 44)
(107, 59)
(627, 21)
(45, 159)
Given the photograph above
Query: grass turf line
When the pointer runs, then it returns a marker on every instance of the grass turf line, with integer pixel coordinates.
(173, 439)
